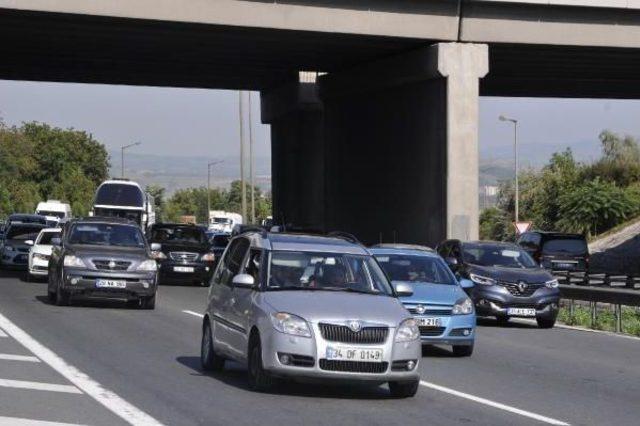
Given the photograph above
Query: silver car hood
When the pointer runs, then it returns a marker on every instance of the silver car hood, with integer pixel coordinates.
(338, 307)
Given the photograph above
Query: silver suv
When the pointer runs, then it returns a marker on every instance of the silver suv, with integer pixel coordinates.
(309, 307)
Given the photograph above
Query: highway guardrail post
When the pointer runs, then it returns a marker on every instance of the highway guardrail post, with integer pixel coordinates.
(618, 318)
(593, 308)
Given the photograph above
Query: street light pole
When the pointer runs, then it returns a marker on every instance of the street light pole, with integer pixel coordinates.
(242, 182)
(122, 155)
(515, 149)
(209, 165)
(251, 166)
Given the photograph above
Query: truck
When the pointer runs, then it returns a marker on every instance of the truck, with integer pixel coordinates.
(222, 221)
(54, 210)
(126, 199)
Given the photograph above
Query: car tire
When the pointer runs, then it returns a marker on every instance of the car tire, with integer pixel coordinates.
(462, 350)
(62, 298)
(209, 360)
(148, 302)
(404, 389)
(502, 321)
(259, 379)
(546, 322)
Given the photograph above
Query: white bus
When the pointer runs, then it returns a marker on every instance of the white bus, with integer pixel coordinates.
(126, 199)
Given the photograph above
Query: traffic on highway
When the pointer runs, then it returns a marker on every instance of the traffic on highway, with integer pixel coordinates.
(293, 315)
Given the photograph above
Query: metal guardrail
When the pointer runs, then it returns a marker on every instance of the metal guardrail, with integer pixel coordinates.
(617, 297)
(628, 281)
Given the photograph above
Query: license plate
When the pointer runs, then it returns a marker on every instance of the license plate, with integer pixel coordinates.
(565, 265)
(521, 312)
(111, 284)
(429, 322)
(353, 354)
(183, 269)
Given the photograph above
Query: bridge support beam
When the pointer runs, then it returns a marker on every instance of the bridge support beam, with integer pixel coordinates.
(294, 112)
(401, 145)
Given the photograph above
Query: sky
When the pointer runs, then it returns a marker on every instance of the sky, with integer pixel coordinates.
(195, 122)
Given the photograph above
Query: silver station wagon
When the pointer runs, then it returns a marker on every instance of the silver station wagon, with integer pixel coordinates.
(309, 307)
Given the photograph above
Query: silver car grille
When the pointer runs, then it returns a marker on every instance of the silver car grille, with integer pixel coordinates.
(343, 334)
(183, 256)
(111, 265)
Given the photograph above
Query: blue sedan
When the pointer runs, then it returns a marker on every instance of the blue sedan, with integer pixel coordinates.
(444, 312)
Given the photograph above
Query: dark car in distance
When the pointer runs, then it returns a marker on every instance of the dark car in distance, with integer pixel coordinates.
(16, 242)
(183, 252)
(507, 281)
(102, 258)
(557, 251)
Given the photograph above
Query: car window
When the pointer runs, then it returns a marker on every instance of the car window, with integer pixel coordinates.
(253, 264)
(23, 232)
(232, 261)
(510, 256)
(415, 268)
(177, 234)
(106, 234)
(571, 245)
(45, 237)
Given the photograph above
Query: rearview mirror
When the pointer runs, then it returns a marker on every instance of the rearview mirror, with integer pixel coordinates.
(243, 281)
(29, 242)
(56, 241)
(465, 283)
(403, 289)
(156, 247)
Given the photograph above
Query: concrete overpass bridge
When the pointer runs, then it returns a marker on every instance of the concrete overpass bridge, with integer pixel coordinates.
(386, 142)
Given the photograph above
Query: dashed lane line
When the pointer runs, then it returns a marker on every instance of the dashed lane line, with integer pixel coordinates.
(17, 421)
(110, 400)
(25, 358)
(22, 384)
(494, 404)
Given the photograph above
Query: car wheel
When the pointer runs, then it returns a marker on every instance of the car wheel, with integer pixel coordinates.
(502, 320)
(404, 389)
(62, 298)
(148, 302)
(259, 379)
(462, 350)
(208, 358)
(546, 322)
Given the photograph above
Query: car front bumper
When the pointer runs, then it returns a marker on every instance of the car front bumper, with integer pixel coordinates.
(454, 330)
(314, 349)
(496, 300)
(201, 271)
(38, 267)
(14, 259)
(82, 283)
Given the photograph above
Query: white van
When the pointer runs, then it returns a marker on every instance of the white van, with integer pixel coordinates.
(126, 199)
(54, 210)
(222, 221)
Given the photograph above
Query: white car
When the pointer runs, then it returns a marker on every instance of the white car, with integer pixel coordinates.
(41, 252)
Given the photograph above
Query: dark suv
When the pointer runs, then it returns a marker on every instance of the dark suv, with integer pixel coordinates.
(507, 281)
(557, 251)
(183, 252)
(106, 258)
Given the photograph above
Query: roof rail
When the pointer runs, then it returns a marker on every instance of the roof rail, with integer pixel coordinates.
(345, 236)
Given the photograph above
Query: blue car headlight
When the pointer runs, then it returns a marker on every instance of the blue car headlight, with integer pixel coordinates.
(463, 307)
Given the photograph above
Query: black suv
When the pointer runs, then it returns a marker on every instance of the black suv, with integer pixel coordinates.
(106, 258)
(183, 252)
(557, 251)
(507, 281)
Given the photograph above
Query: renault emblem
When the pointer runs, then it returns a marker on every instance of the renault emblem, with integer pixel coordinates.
(112, 264)
(421, 309)
(355, 326)
(522, 286)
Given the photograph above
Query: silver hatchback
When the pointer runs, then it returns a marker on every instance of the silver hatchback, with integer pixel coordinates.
(308, 307)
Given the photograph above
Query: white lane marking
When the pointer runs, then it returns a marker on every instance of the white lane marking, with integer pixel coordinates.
(21, 384)
(25, 358)
(494, 404)
(17, 421)
(110, 400)
(2, 333)
(195, 314)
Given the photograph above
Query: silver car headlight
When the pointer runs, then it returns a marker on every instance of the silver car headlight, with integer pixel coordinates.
(8, 248)
(39, 256)
(208, 257)
(408, 331)
(552, 284)
(149, 265)
(463, 307)
(72, 261)
(479, 279)
(290, 324)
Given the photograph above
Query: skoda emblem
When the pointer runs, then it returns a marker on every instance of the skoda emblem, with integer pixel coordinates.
(112, 264)
(355, 326)
(420, 309)
(522, 286)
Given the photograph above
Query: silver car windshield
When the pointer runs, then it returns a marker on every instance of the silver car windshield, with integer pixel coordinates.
(420, 269)
(295, 270)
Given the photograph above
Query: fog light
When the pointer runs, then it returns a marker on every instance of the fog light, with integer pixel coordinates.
(145, 284)
(206, 269)
(74, 281)
(285, 359)
(410, 365)
(466, 332)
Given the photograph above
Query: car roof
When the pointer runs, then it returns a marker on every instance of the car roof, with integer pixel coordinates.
(402, 251)
(304, 242)
(51, 230)
(103, 219)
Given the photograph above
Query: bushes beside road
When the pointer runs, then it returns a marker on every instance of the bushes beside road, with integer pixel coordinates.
(605, 319)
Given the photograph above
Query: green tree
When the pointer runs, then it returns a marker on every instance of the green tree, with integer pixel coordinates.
(494, 225)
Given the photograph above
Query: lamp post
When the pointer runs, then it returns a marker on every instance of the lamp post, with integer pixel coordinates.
(242, 181)
(122, 155)
(251, 166)
(209, 165)
(515, 150)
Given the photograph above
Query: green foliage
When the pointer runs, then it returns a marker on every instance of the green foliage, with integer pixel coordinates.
(494, 224)
(39, 162)
(605, 318)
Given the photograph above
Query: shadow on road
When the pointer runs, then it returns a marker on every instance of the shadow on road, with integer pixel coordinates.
(99, 304)
(491, 322)
(235, 374)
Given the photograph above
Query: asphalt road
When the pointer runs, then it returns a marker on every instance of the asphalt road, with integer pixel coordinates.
(113, 365)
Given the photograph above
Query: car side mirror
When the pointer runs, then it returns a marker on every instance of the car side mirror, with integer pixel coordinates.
(403, 289)
(156, 247)
(56, 241)
(243, 281)
(465, 283)
(29, 242)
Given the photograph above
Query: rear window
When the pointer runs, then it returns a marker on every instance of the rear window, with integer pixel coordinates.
(118, 194)
(565, 245)
(415, 269)
(23, 232)
(47, 236)
(178, 234)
